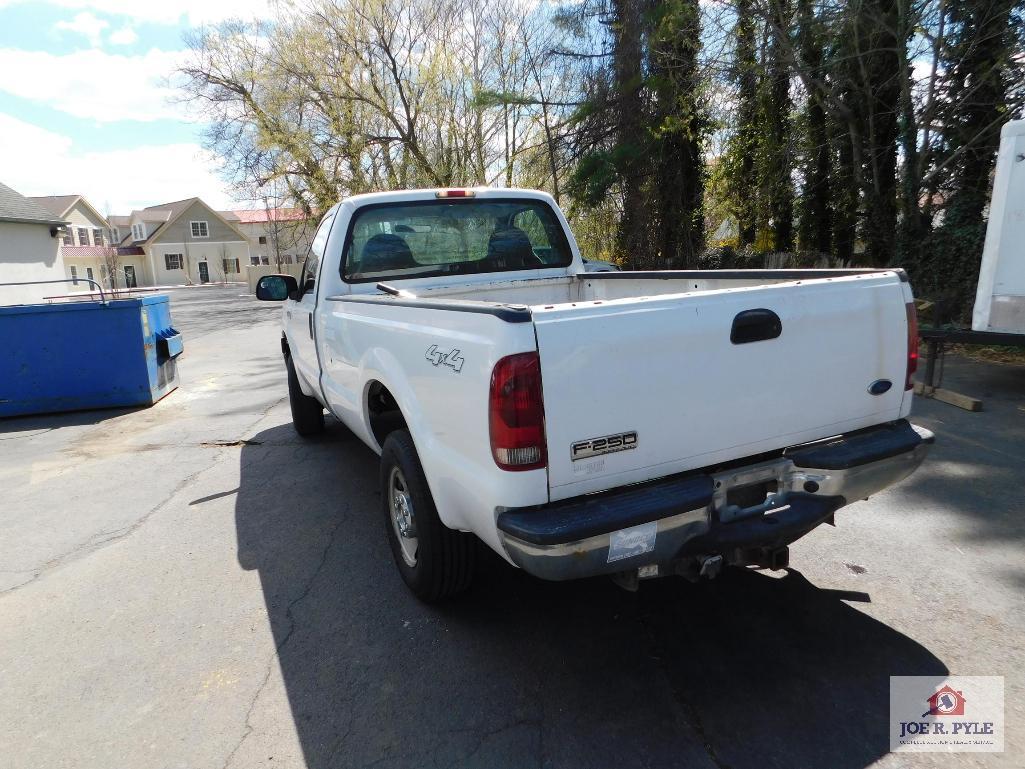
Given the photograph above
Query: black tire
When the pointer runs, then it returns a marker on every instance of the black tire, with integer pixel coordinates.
(307, 413)
(445, 559)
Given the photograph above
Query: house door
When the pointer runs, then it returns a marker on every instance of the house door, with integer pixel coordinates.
(204, 273)
(130, 276)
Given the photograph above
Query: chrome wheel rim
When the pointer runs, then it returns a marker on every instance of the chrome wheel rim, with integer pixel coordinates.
(403, 521)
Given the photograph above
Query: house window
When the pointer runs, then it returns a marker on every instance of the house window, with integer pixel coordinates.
(83, 236)
(69, 236)
(200, 230)
(230, 265)
(74, 273)
(263, 240)
(254, 261)
(173, 261)
(89, 272)
(264, 260)
(286, 259)
(97, 237)
(115, 235)
(138, 232)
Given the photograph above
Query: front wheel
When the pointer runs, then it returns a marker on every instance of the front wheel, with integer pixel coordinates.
(307, 413)
(435, 562)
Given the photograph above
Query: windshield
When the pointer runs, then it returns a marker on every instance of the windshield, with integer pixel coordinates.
(442, 237)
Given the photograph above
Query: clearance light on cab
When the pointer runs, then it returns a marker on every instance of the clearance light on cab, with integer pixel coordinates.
(454, 194)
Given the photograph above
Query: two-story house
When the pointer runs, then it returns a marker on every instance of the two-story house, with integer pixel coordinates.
(88, 247)
(184, 242)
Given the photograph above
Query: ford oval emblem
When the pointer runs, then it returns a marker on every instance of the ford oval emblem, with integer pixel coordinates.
(880, 386)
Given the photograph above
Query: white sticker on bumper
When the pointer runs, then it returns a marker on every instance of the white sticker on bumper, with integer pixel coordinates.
(636, 540)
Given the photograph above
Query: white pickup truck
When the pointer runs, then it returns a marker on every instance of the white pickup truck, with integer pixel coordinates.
(634, 424)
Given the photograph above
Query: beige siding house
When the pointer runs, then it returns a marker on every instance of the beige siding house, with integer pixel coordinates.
(185, 242)
(89, 248)
(29, 248)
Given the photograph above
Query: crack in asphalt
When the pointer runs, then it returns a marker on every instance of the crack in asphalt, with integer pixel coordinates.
(690, 713)
(101, 539)
(248, 728)
(537, 724)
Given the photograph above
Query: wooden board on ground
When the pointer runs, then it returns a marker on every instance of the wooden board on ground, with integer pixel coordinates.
(965, 402)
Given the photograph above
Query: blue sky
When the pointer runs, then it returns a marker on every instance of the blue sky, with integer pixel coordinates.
(86, 106)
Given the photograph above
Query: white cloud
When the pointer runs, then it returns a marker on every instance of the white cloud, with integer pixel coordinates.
(95, 85)
(196, 12)
(123, 36)
(84, 24)
(35, 161)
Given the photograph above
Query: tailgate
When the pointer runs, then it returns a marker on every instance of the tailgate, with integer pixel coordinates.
(636, 389)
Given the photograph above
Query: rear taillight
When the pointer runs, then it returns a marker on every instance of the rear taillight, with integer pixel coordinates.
(516, 415)
(912, 344)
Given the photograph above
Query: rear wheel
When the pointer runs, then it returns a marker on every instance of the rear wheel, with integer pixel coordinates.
(307, 413)
(435, 562)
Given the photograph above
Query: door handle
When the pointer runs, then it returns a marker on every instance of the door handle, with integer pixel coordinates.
(310, 317)
(755, 326)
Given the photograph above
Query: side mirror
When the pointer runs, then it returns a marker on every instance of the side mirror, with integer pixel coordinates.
(276, 288)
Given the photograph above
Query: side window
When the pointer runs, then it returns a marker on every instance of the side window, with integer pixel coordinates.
(312, 265)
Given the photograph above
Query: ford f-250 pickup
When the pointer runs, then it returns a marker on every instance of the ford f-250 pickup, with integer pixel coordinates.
(635, 424)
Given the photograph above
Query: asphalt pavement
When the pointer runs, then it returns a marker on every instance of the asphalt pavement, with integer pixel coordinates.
(193, 585)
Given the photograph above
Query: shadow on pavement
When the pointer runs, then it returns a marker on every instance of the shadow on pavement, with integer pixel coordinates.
(978, 455)
(747, 671)
(52, 421)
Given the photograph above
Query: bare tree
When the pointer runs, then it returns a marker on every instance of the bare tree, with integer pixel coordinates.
(222, 262)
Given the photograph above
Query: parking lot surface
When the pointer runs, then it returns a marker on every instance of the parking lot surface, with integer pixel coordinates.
(193, 585)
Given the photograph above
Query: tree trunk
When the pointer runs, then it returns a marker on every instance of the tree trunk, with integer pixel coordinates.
(678, 176)
(844, 191)
(746, 74)
(881, 88)
(779, 154)
(627, 30)
(815, 229)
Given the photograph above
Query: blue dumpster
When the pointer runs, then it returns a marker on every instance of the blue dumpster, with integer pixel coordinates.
(87, 355)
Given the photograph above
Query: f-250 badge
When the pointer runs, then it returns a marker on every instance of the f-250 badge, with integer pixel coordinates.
(450, 358)
(607, 444)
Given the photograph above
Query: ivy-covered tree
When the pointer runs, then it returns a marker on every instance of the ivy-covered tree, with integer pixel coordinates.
(814, 203)
(678, 175)
(777, 153)
(743, 147)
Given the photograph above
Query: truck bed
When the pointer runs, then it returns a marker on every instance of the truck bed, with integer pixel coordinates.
(700, 368)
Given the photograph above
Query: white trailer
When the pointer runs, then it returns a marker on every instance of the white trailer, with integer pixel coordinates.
(1000, 298)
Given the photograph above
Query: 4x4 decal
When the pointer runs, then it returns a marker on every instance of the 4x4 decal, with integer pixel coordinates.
(450, 358)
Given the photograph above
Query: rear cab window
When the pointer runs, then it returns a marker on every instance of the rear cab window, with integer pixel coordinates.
(452, 237)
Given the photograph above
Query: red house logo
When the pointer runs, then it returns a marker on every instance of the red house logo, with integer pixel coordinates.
(945, 702)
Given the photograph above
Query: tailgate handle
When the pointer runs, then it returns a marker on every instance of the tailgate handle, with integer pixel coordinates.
(755, 326)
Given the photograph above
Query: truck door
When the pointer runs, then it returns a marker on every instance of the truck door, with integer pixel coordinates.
(299, 314)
